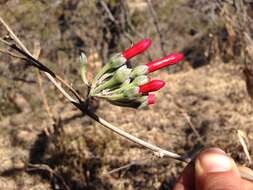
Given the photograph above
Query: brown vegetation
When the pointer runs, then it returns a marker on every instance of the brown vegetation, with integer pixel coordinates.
(204, 103)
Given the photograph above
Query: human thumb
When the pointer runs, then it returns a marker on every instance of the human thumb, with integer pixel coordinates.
(216, 171)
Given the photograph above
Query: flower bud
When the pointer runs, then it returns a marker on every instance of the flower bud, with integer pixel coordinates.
(147, 100)
(151, 99)
(140, 80)
(139, 70)
(114, 62)
(137, 48)
(128, 93)
(120, 76)
(165, 61)
(131, 92)
(83, 68)
(153, 85)
(137, 103)
(117, 61)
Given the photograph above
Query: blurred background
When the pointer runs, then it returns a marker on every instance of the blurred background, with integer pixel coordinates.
(45, 143)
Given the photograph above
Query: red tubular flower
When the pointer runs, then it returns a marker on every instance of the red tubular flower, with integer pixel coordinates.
(137, 48)
(151, 99)
(165, 61)
(153, 85)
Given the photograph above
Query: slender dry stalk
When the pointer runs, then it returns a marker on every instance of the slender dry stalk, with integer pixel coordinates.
(157, 150)
(50, 77)
(128, 35)
(49, 111)
(187, 118)
(114, 20)
(156, 24)
(241, 136)
(52, 173)
(85, 108)
(11, 54)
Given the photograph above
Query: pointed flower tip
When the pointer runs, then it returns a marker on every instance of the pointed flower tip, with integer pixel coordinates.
(153, 85)
(165, 61)
(151, 99)
(177, 57)
(137, 48)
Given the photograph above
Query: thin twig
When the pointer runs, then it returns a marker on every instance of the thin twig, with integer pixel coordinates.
(157, 150)
(50, 77)
(156, 24)
(187, 118)
(110, 15)
(126, 166)
(4, 41)
(131, 27)
(44, 167)
(241, 136)
(11, 54)
(114, 20)
(36, 55)
(46, 70)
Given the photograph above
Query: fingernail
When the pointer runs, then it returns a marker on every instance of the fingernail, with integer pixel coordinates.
(213, 160)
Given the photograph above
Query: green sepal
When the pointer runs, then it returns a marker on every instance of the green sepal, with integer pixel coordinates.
(83, 68)
(120, 76)
(114, 62)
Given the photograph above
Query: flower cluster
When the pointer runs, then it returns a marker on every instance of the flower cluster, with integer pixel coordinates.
(130, 87)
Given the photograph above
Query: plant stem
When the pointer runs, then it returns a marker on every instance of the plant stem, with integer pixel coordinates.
(80, 105)
(157, 150)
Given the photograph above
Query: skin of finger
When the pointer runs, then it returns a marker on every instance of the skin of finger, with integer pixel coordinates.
(187, 179)
(218, 181)
(227, 180)
(231, 178)
(248, 185)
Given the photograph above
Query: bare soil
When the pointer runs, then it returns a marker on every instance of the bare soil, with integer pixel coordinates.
(203, 104)
(212, 99)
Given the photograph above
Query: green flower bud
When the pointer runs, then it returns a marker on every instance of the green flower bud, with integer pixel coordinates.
(131, 91)
(139, 70)
(105, 77)
(146, 100)
(117, 60)
(120, 76)
(83, 68)
(114, 62)
(124, 84)
(140, 80)
(120, 89)
(143, 102)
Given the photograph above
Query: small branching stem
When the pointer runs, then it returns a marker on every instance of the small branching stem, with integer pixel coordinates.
(80, 105)
(85, 108)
